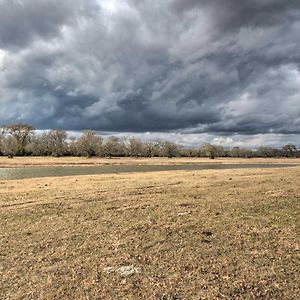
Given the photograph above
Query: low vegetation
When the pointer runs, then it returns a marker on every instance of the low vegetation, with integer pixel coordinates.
(226, 234)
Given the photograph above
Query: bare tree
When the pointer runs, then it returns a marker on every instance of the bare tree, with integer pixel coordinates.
(169, 149)
(73, 147)
(209, 150)
(36, 146)
(151, 148)
(10, 146)
(135, 147)
(89, 144)
(289, 150)
(55, 142)
(2, 136)
(113, 147)
(21, 133)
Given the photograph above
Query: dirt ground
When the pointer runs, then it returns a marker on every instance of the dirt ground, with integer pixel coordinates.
(209, 234)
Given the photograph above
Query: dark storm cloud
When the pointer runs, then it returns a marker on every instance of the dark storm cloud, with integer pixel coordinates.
(222, 67)
(233, 14)
(24, 20)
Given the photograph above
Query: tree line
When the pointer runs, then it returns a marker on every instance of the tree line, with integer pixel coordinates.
(23, 140)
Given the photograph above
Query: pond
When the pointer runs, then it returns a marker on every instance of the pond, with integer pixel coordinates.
(36, 172)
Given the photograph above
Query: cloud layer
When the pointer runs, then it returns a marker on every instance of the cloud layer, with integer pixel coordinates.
(216, 67)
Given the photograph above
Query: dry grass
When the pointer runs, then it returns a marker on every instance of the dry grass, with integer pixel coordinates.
(82, 161)
(222, 234)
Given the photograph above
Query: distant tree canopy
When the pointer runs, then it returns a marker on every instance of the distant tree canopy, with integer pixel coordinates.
(22, 139)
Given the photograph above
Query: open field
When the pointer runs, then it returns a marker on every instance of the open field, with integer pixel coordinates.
(30, 161)
(209, 234)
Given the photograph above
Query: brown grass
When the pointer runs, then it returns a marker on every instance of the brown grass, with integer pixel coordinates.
(213, 234)
(83, 161)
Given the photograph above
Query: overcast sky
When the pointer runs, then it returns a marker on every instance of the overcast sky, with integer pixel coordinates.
(190, 71)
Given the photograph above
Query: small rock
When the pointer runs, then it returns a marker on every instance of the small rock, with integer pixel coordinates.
(128, 270)
(184, 213)
(108, 270)
(124, 271)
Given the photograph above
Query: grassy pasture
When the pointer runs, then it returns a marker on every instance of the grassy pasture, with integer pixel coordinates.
(209, 234)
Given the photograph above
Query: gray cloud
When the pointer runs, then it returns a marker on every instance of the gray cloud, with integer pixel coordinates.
(233, 14)
(219, 67)
(22, 21)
